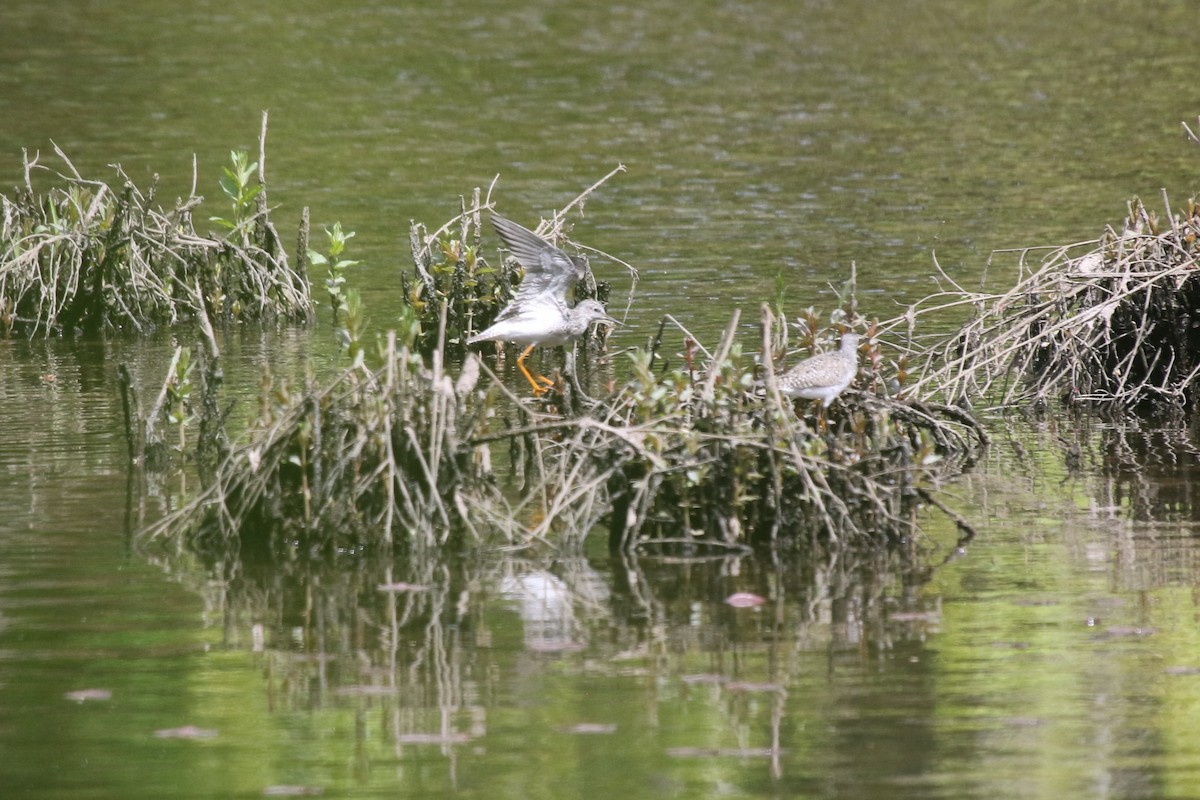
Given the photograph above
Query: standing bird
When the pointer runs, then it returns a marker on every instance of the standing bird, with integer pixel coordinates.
(539, 314)
(824, 376)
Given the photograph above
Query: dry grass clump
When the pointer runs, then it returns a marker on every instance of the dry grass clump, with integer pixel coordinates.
(371, 458)
(88, 255)
(1109, 322)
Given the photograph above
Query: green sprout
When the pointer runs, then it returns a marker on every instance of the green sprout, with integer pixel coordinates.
(239, 186)
(335, 281)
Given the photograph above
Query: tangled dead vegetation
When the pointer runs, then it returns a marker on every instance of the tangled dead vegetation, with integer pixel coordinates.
(702, 454)
(1112, 323)
(89, 255)
(372, 458)
(696, 449)
(706, 455)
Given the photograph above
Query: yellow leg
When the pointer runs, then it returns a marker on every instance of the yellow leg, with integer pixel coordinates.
(538, 389)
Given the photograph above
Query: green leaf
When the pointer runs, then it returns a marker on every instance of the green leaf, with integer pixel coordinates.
(229, 184)
(247, 172)
(251, 192)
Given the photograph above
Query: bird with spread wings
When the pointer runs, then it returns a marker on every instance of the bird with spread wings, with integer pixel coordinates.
(539, 314)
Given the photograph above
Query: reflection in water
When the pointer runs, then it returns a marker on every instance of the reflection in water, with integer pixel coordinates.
(510, 674)
(1147, 489)
(1140, 487)
(62, 442)
(546, 605)
(460, 655)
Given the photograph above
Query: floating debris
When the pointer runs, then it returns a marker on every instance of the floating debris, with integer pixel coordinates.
(752, 686)
(451, 737)
(745, 600)
(186, 732)
(1182, 670)
(589, 728)
(722, 752)
(697, 447)
(1023, 722)
(348, 465)
(704, 678)
(400, 587)
(85, 695)
(366, 691)
(929, 617)
(1121, 631)
(293, 791)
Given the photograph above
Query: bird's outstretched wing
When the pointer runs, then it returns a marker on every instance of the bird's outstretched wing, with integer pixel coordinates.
(550, 274)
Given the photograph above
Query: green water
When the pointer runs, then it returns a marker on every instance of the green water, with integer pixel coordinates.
(1052, 658)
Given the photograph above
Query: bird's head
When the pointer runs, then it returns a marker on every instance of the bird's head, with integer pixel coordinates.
(591, 311)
